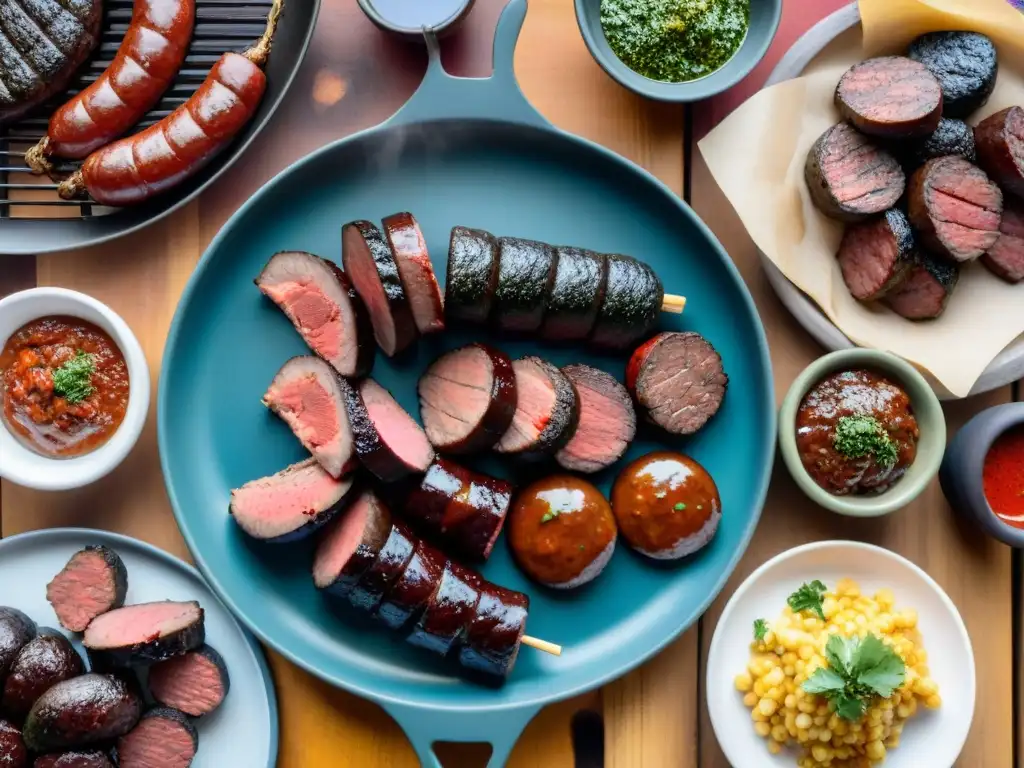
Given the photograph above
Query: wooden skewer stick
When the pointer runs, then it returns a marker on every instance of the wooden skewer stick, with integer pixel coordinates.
(542, 645)
(673, 303)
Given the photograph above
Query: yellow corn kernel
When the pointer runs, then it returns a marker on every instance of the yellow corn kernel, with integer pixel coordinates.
(743, 682)
(774, 747)
(774, 678)
(803, 721)
(825, 735)
(767, 706)
(875, 750)
(759, 687)
(762, 729)
(750, 700)
(821, 753)
(933, 702)
(926, 687)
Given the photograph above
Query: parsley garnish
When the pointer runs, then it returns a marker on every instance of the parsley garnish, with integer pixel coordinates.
(679, 506)
(808, 598)
(858, 436)
(760, 629)
(548, 516)
(72, 380)
(858, 669)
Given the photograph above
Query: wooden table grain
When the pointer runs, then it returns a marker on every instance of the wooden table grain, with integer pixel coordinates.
(353, 78)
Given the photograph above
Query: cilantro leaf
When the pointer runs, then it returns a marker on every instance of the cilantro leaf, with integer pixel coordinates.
(859, 670)
(840, 652)
(825, 681)
(850, 707)
(760, 629)
(885, 677)
(870, 651)
(808, 598)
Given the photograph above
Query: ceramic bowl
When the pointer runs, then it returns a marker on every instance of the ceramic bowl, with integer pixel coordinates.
(931, 738)
(764, 21)
(962, 465)
(927, 410)
(380, 13)
(25, 467)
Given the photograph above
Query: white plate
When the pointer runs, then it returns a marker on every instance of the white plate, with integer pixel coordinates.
(243, 731)
(932, 738)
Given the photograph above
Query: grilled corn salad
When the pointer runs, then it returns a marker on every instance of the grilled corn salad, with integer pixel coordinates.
(837, 676)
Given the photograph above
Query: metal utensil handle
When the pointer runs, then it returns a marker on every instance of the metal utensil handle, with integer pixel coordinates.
(442, 96)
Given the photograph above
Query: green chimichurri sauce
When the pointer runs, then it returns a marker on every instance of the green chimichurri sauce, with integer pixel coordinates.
(675, 40)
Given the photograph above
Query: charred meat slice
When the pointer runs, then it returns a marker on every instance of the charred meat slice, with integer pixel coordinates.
(324, 308)
(875, 255)
(1006, 258)
(43, 661)
(389, 442)
(289, 505)
(891, 97)
(92, 758)
(145, 633)
(926, 289)
(952, 137)
(547, 410)
(1000, 140)
(16, 629)
(164, 738)
(88, 709)
(195, 683)
(526, 270)
(310, 397)
(417, 273)
(406, 599)
(955, 207)
(576, 294)
(678, 378)
(370, 264)
(444, 623)
(850, 178)
(495, 632)
(965, 65)
(468, 398)
(12, 747)
(391, 561)
(472, 275)
(607, 423)
(93, 582)
(631, 305)
(351, 545)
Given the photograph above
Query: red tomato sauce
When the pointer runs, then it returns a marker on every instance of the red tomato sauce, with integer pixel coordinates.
(37, 413)
(1003, 477)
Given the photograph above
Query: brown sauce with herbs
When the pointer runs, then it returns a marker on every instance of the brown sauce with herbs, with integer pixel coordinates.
(856, 433)
(65, 386)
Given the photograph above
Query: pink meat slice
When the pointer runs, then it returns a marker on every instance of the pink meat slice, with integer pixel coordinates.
(337, 547)
(607, 422)
(536, 401)
(82, 591)
(396, 428)
(1006, 257)
(192, 683)
(142, 623)
(455, 393)
(417, 273)
(156, 743)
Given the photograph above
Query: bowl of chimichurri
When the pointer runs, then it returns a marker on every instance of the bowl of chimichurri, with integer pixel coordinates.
(678, 50)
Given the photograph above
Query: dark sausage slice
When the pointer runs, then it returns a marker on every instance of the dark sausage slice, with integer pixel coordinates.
(16, 629)
(607, 422)
(891, 97)
(1006, 257)
(955, 207)
(547, 410)
(679, 380)
(495, 632)
(631, 306)
(93, 582)
(926, 289)
(144, 633)
(417, 273)
(78, 759)
(324, 308)
(44, 661)
(408, 597)
(468, 398)
(195, 683)
(351, 545)
(875, 256)
(526, 270)
(1000, 140)
(459, 508)
(444, 623)
(952, 137)
(389, 442)
(12, 748)
(576, 294)
(370, 263)
(391, 561)
(472, 275)
(965, 65)
(164, 738)
(850, 178)
(88, 709)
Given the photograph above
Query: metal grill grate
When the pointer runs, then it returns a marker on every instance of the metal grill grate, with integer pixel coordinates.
(221, 25)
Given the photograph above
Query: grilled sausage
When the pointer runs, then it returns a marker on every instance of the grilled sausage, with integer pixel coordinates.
(44, 661)
(443, 624)
(391, 561)
(417, 273)
(16, 629)
(890, 96)
(472, 274)
(495, 632)
(607, 423)
(631, 304)
(1000, 140)
(576, 294)
(547, 411)
(925, 289)
(351, 545)
(965, 65)
(388, 441)
(12, 748)
(1006, 257)
(93, 582)
(409, 595)
(874, 256)
(952, 137)
(526, 270)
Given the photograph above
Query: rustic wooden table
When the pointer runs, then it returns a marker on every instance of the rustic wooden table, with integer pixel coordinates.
(653, 718)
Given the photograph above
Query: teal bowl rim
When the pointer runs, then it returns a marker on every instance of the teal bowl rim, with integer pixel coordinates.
(927, 410)
(752, 49)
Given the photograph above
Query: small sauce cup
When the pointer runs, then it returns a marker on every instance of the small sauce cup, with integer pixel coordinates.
(22, 465)
(408, 19)
(927, 411)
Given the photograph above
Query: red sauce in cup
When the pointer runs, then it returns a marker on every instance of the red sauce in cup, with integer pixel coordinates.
(65, 386)
(1003, 477)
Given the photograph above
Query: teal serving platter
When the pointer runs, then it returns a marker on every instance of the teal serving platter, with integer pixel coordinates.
(472, 152)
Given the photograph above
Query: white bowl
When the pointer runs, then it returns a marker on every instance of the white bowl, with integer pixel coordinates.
(26, 467)
(932, 738)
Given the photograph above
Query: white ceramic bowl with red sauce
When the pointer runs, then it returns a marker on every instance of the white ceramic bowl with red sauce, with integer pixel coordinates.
(19, 463)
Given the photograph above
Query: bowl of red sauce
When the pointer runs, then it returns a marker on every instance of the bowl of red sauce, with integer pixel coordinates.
(982, 474)
(74, 389)
(861, 432)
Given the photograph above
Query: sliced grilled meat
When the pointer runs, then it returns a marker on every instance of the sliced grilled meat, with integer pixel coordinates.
(289, 505)
(965, 65)
(631, 306)
(42, 662)
(876, 255)
(417, 273)
(444, 622)
(952, 137)
(1000, 141)
(607, 423)
(547, 410)
(955, 207)
(16, 629)
(12, 748)
(577, 294)
(526, 271)
(679, 380)
(849, 177)
(93, 582)
(144, 634)
(389, 442)
(351, 545)
(407, 598)
(164, 738)
(324, 308)
(495, 632)
(370, 264)
(391, 562)
(1006, 257)
(88, 709)
(468, 398)
(195, 683)
(472, 275)
(891, 97)
(926, 289)
(92, 758)
(310, 397)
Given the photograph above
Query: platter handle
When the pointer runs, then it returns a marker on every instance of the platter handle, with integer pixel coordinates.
(501, 729)
(442, 96)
